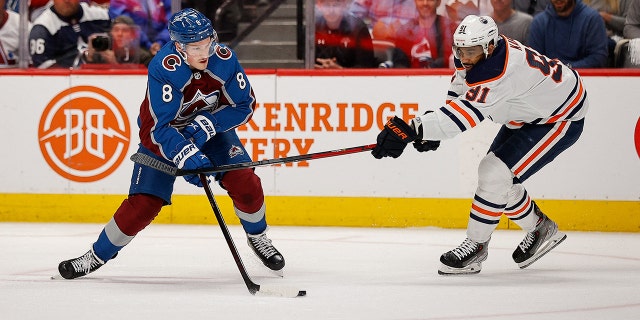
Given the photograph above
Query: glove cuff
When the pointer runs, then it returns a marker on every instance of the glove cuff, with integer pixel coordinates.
(184, 153)
(416, 123)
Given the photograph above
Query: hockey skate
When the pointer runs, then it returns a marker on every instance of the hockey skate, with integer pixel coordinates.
(81, 266)
(539, 242)
(465, 259)
(267, 253)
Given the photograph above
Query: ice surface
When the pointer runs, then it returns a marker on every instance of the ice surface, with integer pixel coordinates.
(187, 272)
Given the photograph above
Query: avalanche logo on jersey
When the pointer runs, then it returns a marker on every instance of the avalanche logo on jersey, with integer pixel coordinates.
(210, 99)
(171, 62)
(84, 134)
(202, 93)
(235, 151)
(199, 101)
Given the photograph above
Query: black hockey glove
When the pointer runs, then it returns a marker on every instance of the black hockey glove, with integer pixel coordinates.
(393, 139)
(426, 145)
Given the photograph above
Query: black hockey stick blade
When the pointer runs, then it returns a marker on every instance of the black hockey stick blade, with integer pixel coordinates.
(149, 161)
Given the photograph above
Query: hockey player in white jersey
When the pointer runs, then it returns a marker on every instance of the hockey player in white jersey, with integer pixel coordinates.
(541, 104)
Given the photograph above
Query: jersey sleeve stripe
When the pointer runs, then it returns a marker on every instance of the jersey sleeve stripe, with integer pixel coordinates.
(453, 118)
(475, 110)
(463, 113)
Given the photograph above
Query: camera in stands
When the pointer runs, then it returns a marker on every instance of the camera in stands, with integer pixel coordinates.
(101, 42)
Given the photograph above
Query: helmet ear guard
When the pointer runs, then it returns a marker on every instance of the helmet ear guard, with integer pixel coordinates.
(475, 31)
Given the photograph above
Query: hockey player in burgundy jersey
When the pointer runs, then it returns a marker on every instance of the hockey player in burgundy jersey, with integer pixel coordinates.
(541, 104)
(197, 94)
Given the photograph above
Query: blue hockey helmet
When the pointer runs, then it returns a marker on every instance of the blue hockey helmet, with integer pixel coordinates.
(189, 25)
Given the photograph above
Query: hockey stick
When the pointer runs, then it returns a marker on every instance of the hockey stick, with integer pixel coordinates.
(252, 286)
(149, 161)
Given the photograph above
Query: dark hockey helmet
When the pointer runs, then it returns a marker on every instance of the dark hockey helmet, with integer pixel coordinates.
(189, 25)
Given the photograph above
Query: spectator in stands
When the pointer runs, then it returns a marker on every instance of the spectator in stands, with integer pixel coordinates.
(530, 7)
(342, 40)
(427, 39)
(384, 17)
(150, 15)
(60, 34)
(613, 13)
(458, 10)
(572, 32)
(512, 23)
(632, 23)
(36, 7)
(121, 46)
(9, 36)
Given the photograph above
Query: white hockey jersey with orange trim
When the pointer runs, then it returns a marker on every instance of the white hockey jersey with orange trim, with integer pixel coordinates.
(514, 86)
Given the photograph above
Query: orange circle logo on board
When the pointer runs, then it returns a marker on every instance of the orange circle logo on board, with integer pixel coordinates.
(84, 134)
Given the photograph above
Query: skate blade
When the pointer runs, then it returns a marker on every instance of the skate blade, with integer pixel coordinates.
(256, 260)
(470, 269)
(548, 246)
(279, 273)
(57, 277)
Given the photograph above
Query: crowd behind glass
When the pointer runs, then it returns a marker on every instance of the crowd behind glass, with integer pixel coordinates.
(348, 33)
